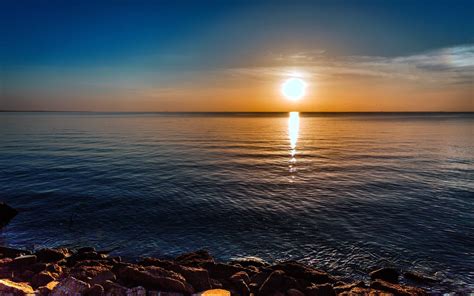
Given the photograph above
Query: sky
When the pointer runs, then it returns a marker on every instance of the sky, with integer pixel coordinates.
(234, 55)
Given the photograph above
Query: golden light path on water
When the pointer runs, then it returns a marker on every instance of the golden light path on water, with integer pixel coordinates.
(293, 132)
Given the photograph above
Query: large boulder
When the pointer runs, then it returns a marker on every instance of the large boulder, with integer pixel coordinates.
(250, 261)
(50, 255)
(195, 258)
(12, 253)
(154, 280)
(277, 282)
(6, 214)
(42, 279)
(387, 274)
(8, 287)
(69, 286)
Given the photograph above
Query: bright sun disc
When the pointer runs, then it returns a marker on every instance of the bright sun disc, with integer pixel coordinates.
(293, 88)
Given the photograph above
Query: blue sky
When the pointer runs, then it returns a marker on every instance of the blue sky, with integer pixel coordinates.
(174, 55)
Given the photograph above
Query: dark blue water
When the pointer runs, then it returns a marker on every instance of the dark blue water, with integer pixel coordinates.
(345, 193)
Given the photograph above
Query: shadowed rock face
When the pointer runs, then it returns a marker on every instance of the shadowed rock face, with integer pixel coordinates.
(6, 214)
(89, 272)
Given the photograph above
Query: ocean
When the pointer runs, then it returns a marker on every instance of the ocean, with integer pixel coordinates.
(344, 192)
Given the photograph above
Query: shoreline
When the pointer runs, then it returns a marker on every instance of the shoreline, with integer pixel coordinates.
(63, 271)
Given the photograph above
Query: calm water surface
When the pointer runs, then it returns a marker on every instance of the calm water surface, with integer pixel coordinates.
(345, 193)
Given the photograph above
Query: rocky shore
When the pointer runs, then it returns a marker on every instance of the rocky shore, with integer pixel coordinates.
(86, 271)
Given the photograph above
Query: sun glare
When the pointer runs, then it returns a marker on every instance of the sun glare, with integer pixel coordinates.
(294, 88)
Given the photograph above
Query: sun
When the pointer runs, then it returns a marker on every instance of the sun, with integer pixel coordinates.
(294, 88)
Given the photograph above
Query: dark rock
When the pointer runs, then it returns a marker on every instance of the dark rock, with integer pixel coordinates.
(85, 250)
(6, 214)
(54, 268)
(24, 261)
(347, 287)
(50, 255)
(397, 290)
(320, 290)
(300, 271)
(215, 284)
(103, 276)
(222, 270)
(38, 267)
(387, 274)
(69, 284)
(294, 292)
(42, 279)
(153, 280)
(277, 282)
(241, 275)
(195, 258)
(419, 277)
(250, 261)
(114, 289)
(239, 287)
(136, 291)
(96, 290)
(8, 287)
(12, 253)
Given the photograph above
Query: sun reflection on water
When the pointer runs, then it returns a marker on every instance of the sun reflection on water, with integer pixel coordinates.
(293, 131)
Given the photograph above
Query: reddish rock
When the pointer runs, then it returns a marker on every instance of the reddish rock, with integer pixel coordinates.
(387, 274)
(320, 290)
(8, 287)
(397, 290)
(195, 258)
(153, 280)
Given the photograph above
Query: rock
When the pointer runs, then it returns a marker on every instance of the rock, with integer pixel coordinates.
(300, 271)
(153, 280)
(42, 279)
(419, 277)
(397, 290)
(103, 276)
(197, 277)
(24, 261)
(8, 287)
(69, 286)
(214, 292)
(320, 290)
(137, 291)
(241, 275)
(45, 290)
(54, 268)
(294, 292)
(250, 261)
(38, 267)
(6, 214)
(277, 281)
(223, 271)
(347, 287)
(387, 274)
(96, 290)
(49, 255)
(114, 289)
(12, 253)
(85, 250)
(195, 258)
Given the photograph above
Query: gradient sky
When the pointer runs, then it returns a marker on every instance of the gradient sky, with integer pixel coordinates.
(234, 55)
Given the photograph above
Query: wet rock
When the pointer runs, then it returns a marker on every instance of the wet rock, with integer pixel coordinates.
(8, 287)
(24, 261)
(42, 279)
(136, 291)
(103, 276)
(294, 292)
(276, 282)
(6, 214)
(250, 261)
(300, 271)
(153, 280)
(96, 290)
(50, 255)
(85, 250)
(12, 253)
(70, 286)
(45, 290)
(195, 258)
(419, 277)
(320, 290)
(347, 287)
(387, 274)
(397, 290)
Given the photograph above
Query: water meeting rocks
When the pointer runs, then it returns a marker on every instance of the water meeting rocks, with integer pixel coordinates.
(6, 214)
(87, 272)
